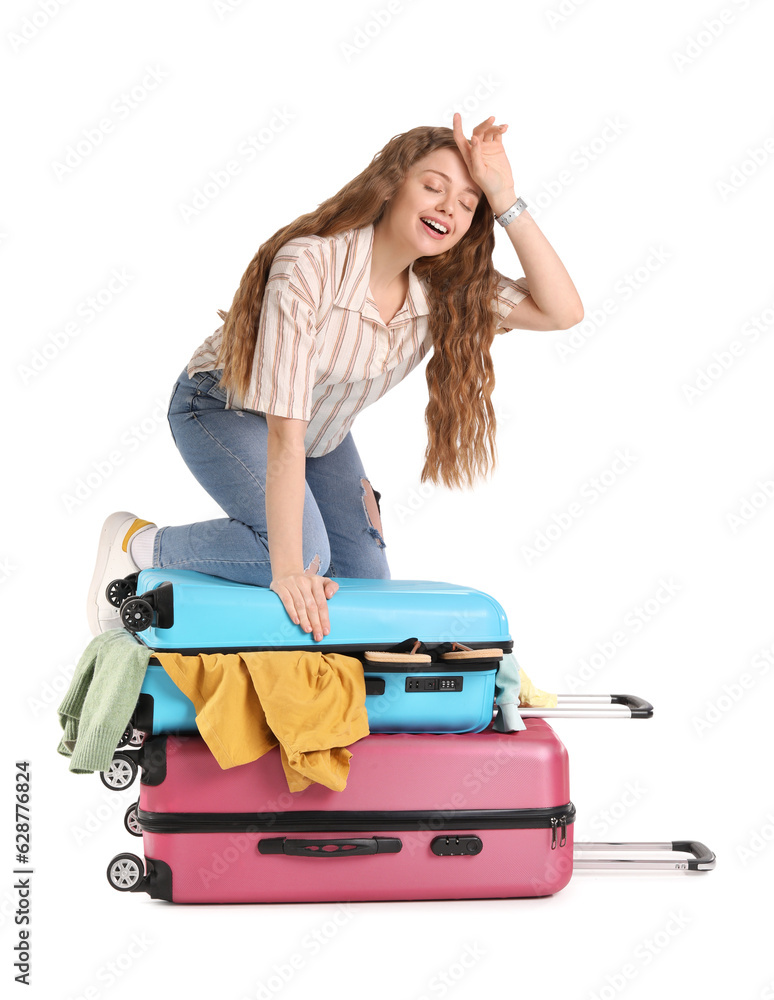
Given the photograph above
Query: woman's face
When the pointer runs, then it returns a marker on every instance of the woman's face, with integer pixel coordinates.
(438, 187)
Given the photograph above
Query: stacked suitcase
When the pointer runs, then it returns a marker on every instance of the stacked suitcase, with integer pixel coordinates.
(438, 804)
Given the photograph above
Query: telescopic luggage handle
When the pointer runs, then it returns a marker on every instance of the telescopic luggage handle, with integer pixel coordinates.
(702, 858)
(593, 706)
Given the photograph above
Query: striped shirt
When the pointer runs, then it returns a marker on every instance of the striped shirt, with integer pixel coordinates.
(323, 352)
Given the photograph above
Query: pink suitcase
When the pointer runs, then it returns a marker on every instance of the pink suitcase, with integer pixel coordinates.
(423, 816)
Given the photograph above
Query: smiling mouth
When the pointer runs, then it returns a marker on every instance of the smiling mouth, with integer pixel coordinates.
(434, 228)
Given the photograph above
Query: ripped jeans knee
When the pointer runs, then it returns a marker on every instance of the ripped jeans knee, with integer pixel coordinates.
(314, 565)
(372, 511)
(317, 555)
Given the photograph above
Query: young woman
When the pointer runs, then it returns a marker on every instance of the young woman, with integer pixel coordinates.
(335, 309)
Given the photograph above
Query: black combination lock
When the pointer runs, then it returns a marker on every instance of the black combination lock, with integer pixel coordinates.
(456, 846)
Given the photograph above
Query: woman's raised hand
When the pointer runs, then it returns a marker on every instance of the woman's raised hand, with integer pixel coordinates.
(484, 156)
(305, 598)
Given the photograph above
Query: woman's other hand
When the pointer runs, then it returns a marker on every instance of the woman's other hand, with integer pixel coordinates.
(303, 593)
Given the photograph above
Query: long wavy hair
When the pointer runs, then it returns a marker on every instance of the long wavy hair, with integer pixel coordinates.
(461, 285)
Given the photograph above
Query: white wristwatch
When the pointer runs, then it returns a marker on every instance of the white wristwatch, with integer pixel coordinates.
(516, 209)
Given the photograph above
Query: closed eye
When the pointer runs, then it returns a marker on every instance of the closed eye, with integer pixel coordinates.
(436, 191)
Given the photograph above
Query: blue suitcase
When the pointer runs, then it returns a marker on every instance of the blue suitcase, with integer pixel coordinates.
(189, 612)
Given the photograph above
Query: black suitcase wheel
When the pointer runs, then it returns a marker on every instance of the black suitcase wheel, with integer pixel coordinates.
(136, 614)
(125, 872)
(121, 773)
(118, 590)
(131, 822)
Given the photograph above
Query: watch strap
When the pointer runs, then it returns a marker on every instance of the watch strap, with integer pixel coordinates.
(516, 209)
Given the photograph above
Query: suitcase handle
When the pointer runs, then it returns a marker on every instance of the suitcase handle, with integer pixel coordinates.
(330, 848)
(593, 706)
(702, 858)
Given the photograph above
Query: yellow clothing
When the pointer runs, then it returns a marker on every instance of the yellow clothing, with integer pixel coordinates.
(532, 696)
(310, 703)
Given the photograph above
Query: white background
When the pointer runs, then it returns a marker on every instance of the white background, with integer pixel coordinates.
(671, 205)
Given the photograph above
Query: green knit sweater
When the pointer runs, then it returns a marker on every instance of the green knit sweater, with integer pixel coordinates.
(101, 698)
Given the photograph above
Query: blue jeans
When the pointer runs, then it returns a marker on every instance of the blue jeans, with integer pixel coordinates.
(226, 450)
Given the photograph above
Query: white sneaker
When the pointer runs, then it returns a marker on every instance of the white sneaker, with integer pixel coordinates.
(113, 562)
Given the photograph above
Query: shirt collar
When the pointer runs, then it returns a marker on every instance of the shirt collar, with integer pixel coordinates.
(352, 293)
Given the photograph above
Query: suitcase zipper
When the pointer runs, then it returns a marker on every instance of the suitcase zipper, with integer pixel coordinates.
(348, 649)
(322, 821)
(369, 666)
(560, 823)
